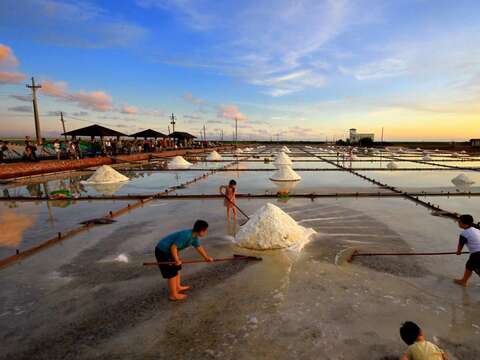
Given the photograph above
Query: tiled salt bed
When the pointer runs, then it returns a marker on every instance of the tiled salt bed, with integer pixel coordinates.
(469, 164)
(458, 204)
(296, 165)
(435, 180)
(140, 183)
(258, 183)
(36, 222)
(383, 164)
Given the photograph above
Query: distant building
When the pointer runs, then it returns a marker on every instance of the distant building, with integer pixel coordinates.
(475, 142)
(356, 137)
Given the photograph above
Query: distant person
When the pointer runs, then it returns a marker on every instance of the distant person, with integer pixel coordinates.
(470, 237)
(229, 191)
(167, 250)
(2, 155)
(57, 148)
(418, 347)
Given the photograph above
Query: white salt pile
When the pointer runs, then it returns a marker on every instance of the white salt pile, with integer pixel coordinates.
(455, 155)
(178, 162)
(285, 173)
(121, 258)
(285, 149)
(271, 228)
(427, 157)
(392, 165)
(282, 159)
(214, 156)
(105, 175)
(238, 151)
(462, 180)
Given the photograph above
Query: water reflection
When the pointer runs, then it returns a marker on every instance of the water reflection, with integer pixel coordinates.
(13, 226)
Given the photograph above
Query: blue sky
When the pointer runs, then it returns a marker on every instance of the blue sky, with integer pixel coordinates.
(305, 69)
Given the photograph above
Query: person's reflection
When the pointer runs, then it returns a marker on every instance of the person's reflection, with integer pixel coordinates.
(34, 190)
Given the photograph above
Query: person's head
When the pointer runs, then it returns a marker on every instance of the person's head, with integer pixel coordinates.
(410, 332)
(465, 221)
(200, 228)
(232, 183)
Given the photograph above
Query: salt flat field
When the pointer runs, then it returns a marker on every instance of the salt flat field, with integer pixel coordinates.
(88, 296)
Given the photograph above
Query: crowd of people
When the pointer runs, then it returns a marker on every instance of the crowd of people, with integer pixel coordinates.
(77, 149)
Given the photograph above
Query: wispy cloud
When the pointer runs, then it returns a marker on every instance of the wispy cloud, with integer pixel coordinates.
(230, 112)
(192, 99)
(69, 23)
(94, 100)
(21, 108)
(8, 65)
(128, 109)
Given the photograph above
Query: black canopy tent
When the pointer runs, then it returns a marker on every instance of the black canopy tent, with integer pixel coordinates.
(182, 138)
(148, 133)
(93, 131)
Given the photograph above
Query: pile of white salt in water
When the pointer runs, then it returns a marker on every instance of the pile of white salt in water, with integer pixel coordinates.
(178, 162)
(285, 173)
(271, 228)
(214, 156)
(105, 175)
(282, 159)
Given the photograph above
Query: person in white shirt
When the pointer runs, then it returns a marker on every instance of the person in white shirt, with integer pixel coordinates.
(470, 236)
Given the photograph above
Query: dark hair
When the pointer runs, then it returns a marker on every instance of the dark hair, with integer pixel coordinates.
(409, 332)
(200, 225)
(232, 182)
(466, 219)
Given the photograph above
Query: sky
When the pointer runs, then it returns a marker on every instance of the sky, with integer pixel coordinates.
(288, 70)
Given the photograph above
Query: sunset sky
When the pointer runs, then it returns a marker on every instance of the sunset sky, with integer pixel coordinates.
(305, 69)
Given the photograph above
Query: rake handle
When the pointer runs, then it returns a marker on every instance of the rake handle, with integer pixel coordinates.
(231, 202)
(196, 261)
(407, 254)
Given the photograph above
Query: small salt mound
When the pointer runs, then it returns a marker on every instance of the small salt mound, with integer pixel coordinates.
(427, 157)
(392, 165)
(271, 228)
(214, 156)
(178, 162)
(121, 258)
(238, 151)
(105, 175)
(461, 180)
(285, 173)
(455, 155)
(285, 149)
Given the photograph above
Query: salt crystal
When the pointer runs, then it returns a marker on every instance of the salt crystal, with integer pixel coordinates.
(122, 258)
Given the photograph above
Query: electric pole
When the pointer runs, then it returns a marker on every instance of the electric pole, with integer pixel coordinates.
(63, 125)
(172, 121)
(236, 131)
(382, 135)
(35, 110)
(204, 133)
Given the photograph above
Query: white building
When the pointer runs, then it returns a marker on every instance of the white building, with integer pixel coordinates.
(356, 137)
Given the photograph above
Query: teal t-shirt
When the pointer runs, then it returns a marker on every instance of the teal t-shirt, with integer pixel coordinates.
(182, 239)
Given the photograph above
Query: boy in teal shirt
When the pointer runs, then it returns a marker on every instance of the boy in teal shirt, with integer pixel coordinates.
(167, 250)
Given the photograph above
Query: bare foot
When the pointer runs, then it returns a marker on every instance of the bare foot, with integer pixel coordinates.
(178, 297)
(460, 282)
(184, 288)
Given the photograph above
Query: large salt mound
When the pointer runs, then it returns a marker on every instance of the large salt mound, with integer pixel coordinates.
(178, 162)
(461, 180)
(282, 159)
(271, 228)
(392, 165)
(214, 156)
(285, 173)
(105, 175)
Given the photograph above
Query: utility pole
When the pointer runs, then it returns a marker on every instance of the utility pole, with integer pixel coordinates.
(172, 118)
(63, 125)
(204, 133)
(382, 135)
(221, 134)
(236, 131)
(35, 110)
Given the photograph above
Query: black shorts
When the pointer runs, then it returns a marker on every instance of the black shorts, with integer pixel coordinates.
(168, 271)
(473, 263)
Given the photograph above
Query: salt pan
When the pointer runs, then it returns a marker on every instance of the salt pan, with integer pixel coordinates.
(271, 228)
(105, 175)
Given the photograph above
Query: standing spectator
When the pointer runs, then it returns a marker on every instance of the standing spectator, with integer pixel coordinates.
(114, 147)
(2, 155)
(56, 147)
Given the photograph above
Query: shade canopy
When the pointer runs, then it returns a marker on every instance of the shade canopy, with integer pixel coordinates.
(149, 133)
(181, 135)
(94, 130)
